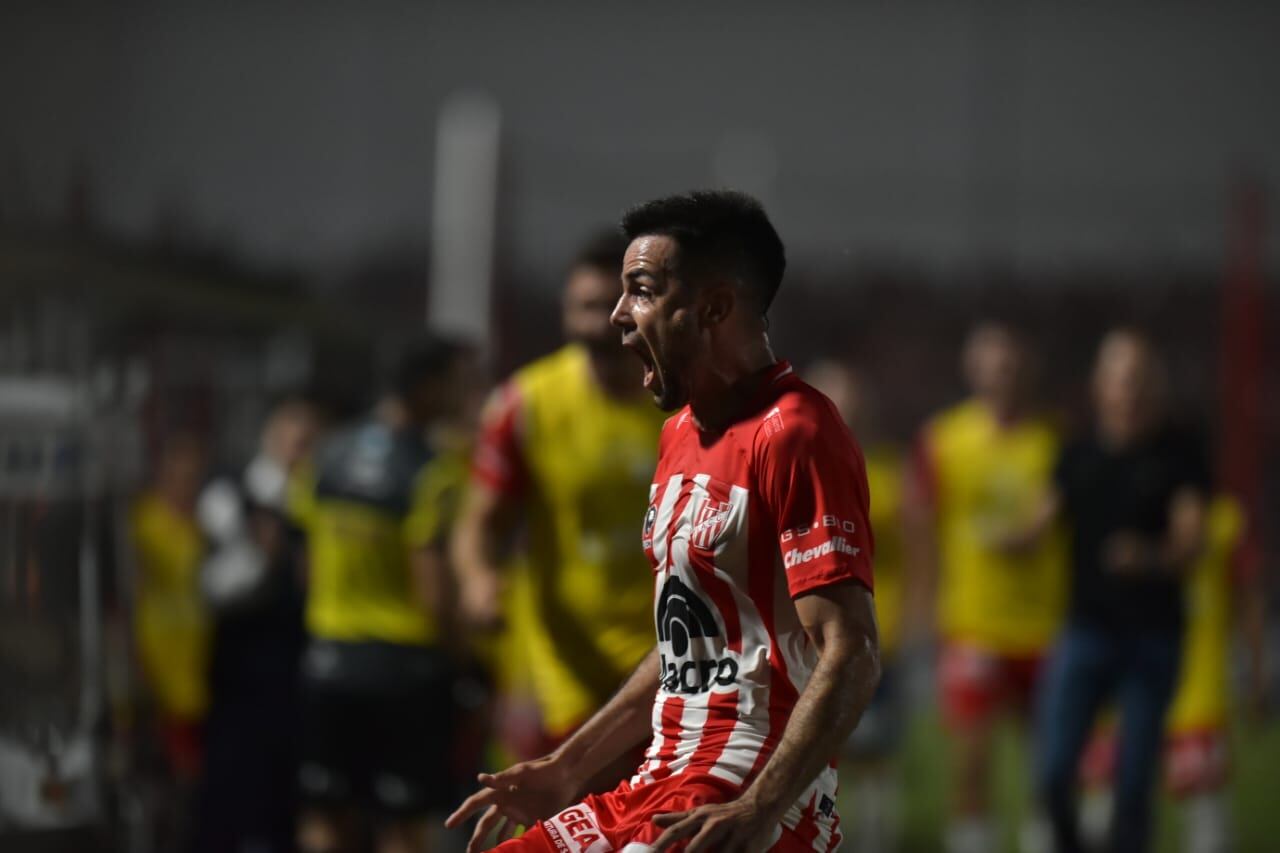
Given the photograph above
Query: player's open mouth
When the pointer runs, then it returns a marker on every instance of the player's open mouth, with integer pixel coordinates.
(642, 352)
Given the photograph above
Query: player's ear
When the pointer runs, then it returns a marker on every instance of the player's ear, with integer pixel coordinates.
(717, 303)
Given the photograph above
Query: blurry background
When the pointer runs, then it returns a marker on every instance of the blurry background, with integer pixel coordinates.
(202, 208)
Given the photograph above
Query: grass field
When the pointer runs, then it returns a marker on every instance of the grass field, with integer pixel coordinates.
(923, 771)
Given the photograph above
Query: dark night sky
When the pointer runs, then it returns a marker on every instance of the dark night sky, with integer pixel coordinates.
(302, 135)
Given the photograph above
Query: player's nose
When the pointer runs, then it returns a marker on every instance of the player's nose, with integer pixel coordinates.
(621, 315)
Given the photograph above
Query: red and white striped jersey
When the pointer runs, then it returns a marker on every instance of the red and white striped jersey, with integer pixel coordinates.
(739, 524)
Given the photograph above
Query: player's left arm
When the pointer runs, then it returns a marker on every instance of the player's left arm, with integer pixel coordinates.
(840, 621)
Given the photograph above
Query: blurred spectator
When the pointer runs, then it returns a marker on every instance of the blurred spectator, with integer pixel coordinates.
(1134, 494)
(378, 723)
(566, 452)
(171, 622)
(981, 467)
(252, 579)
(871, 750)
(171, 626)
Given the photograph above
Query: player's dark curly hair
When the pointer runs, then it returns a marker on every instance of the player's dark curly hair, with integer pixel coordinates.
(719, 232)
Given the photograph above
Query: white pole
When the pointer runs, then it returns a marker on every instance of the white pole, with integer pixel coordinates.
(464, 217)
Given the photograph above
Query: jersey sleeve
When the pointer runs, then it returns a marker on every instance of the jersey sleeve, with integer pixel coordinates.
(499, 463)
(437, 492)
(814, 484)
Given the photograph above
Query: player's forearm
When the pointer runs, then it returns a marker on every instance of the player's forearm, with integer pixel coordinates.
(621, 725)
(475, 546)
(825, 715)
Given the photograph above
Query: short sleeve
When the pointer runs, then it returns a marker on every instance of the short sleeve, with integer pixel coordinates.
(437, 492)
(813, 482)
(499, 462)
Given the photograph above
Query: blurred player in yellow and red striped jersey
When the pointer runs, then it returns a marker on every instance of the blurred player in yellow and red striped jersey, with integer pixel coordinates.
(1197, 748)
(982, 468)
(564, 458)
(870, 750)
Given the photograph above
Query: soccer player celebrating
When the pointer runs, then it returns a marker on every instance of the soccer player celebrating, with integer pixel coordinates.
(757, 535)
(983, 466)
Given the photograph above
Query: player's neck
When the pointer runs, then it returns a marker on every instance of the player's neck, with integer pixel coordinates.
(729, 383)
(1006, 413)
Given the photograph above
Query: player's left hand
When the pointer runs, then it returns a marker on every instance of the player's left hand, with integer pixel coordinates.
(738, 826)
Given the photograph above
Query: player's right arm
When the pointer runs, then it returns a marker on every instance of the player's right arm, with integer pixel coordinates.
(535, 790)
(485, 525)
(491, 509)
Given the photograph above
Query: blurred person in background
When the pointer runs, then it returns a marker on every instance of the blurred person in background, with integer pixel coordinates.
(761, 563)
(981, 467)
(171, 620)
(378, 719)
(1220, 590)
(1133, 492)
(252, 578)
(871, 750)
(563, 464)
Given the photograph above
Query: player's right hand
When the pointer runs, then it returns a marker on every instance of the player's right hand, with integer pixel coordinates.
(518, 796)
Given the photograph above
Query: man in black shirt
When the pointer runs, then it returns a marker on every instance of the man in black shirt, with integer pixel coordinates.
(1133, 494)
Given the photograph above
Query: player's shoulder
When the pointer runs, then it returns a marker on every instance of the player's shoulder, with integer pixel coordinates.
(676, 426)
(552, 374)
(547, 380)
(957, 418)
(797, 413)
(146, 510)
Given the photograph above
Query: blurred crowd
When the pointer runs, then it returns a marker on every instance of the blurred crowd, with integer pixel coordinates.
(336, 635)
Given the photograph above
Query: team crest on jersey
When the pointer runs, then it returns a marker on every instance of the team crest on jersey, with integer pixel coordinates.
(709, 522)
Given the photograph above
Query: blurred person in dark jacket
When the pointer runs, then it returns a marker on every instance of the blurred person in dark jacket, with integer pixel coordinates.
(252, 579)
(1133, 492)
